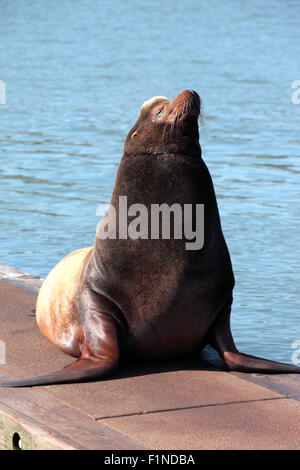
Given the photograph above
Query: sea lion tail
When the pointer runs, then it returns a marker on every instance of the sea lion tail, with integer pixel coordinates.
(79, 371)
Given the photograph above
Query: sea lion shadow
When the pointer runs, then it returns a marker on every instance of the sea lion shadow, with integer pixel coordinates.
(206, 360)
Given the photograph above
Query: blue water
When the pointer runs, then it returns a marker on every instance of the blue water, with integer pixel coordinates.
(76, 74)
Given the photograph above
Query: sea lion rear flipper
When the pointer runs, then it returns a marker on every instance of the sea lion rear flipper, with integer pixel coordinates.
(221, 339)
(100, 347)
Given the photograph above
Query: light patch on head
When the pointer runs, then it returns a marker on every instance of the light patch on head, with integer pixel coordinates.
(148, 104)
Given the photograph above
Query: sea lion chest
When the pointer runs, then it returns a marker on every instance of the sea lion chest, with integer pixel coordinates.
(165, 293)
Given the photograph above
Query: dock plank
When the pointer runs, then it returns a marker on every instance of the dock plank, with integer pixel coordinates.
(45, 422)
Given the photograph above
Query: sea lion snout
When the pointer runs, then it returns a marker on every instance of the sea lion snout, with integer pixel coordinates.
(187, 102)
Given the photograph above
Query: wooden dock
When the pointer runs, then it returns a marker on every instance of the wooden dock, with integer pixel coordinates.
(182, 405)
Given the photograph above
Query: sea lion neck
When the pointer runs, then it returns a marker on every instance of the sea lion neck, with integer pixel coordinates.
(188, 151)
(162, 153)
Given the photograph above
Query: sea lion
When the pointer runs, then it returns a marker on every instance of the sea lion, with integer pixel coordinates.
(142, 297)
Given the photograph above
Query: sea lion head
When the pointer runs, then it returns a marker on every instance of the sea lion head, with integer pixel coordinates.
(166, 126)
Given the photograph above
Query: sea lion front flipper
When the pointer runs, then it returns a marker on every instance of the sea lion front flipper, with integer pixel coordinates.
(100, 348)
(78, 371)
(221, 339)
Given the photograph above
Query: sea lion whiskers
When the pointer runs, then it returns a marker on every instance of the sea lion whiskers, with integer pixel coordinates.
(163, 132)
